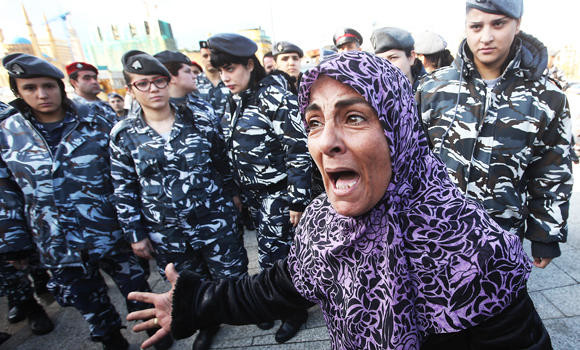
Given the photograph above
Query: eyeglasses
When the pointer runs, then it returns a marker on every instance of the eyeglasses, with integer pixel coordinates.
(144, 85)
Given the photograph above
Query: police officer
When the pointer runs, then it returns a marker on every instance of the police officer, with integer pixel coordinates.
(268, 62)
(182, 86)
(54, 166)
(503, 128)
(397, 46)
(209, 85)
(432, 51)
(266, 144)
(173, 184)
(347, 39)
(84, 79)
(288, 58)
(117, 102)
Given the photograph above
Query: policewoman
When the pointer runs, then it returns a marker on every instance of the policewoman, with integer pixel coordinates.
(56, 196)
(266, 143)
(173, 184)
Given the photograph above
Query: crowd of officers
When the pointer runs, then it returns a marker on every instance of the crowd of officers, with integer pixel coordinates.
(206, 149)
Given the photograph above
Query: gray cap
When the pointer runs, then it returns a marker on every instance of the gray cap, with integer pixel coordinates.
(511, 8)
(389, 38)
(428, 43)
(172, 56)
(115, 95)
(233, 44)
(21, 65)
(139, 62)
(286, 47)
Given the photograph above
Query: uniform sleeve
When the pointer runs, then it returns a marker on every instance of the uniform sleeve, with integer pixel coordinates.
(267, 296)
(219, 155)
(126, 184)
(298, 161)
(14, 234)
(550, 185)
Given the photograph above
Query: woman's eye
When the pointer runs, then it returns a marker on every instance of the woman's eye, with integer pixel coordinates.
(355, 119)
(313, 124)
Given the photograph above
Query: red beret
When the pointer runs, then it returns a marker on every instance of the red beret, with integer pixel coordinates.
(78, 66)
(193, 63)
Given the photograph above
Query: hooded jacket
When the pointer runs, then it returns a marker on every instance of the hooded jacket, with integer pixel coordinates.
(506, 146)
(266, 141)
(59, 202)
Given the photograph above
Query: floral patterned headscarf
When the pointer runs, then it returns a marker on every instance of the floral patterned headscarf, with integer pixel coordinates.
(424, 259)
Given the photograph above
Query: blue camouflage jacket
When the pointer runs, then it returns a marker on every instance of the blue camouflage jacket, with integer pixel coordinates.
(62, 202)
(266, 141)
(162, 187)
(506, 146)
(217, 96)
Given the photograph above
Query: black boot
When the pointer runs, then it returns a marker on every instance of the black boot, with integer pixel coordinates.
(15, 312)
(290, 327)
(204, 338)
(165, 342)
(4, 337)
(38, 320)
(265, 325)
(40, 278)
(115, 341)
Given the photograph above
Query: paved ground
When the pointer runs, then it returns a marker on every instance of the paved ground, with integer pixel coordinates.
(555, 291)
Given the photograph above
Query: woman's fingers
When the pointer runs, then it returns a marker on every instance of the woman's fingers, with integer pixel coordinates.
(171, 274)
(145, 325)
(142, 296)
(154, 338)
(141, 315)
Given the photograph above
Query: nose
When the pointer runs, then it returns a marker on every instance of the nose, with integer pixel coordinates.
(486, 34)
(225, 77)
(331, 140)
(42, 93)
(153, 87)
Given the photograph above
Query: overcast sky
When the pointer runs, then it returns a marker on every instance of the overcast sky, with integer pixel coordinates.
(310, 24)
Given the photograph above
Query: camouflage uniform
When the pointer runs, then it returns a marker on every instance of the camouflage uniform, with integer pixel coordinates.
(266, 144)
(105, 108)
(178, 193)
(506, 146)
(55, 196)
(217, 96)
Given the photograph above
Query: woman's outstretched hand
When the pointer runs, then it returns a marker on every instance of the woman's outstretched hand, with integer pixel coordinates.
(160, 316)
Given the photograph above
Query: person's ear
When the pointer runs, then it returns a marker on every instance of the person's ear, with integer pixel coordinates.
(518, 23)
(130, 91)
(250, 65)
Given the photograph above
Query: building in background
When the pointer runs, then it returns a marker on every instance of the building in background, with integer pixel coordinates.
(258, 35)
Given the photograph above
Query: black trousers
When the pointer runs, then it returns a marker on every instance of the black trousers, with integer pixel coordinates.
(518, 327)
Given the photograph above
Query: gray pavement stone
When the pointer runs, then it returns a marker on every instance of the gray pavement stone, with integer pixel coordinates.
(565, 333)
(569, 262)
(566, 299)
(545, 308)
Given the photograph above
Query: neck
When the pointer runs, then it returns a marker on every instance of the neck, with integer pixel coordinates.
(87, 97)
(213, 76)
(51, 117)
(488, 72)
(157, 115)
(177, 91)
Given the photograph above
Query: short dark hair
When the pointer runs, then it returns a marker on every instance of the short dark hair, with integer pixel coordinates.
(440, 59)
(74, 76)
(268, 54)
(174, 67)
(127, 78)
(220, 59)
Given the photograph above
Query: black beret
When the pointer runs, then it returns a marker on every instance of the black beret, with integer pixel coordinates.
(346, 35)
(21, 65)
(172, 56)
(233, 44)
(286, 47)
(389, 38)
(203, 44)
(139, 62)
(115, 95)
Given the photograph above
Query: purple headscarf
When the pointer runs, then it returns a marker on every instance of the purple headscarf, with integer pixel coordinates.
(425, 259)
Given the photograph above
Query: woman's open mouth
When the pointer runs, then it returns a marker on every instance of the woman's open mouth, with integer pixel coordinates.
(343, 180)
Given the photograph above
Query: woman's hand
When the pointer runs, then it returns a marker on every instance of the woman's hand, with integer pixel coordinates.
(295, 217)
(160, 316)
(143, 249)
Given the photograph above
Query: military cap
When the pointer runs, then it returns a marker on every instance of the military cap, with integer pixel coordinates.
(203, 44)
(428, 43)
(115, 95)
(193, 63)
(511, 8)
(21, 65)
(389, 38)
(233, 44)
(346, 35)
(172, 56)
(286, 47)
(79, 66)
(139, 62)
